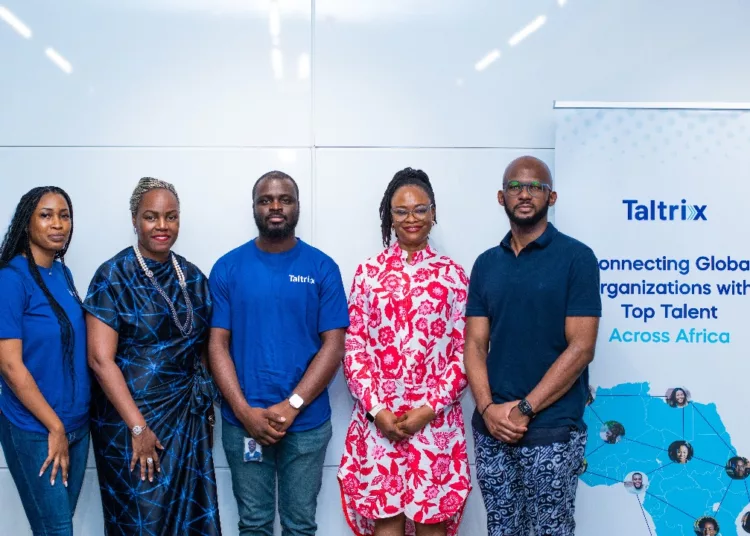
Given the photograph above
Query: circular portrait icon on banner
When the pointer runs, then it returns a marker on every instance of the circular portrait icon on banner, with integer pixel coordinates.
(745, 523)
(680, 452)
(678, 397)
(591, 396)
(706, 526)
(738, 468)
(636, 482)
(584, 467)
(612, 432)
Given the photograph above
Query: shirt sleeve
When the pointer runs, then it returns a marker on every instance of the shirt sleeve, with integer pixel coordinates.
(12, 304)
(332, 311)
(102, 299)
(476, 305)
(218, 284)
(358, 361)
(452, 381)
(584, 298)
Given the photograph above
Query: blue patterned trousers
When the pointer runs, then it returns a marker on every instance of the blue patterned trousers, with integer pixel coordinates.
(525, 487)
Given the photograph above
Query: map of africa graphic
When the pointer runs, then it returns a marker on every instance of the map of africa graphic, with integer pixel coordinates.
(673, 455)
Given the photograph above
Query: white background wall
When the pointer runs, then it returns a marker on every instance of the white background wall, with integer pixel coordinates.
(209, 94)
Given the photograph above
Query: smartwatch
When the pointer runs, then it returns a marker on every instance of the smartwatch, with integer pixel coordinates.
(374, 412)
(525, 408)
(296, 401)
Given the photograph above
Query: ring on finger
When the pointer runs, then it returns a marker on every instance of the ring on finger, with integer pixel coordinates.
(150, 461)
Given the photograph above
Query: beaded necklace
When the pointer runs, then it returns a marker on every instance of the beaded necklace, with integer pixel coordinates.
(187, 328)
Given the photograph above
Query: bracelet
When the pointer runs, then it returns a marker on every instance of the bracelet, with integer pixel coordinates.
(485, 409)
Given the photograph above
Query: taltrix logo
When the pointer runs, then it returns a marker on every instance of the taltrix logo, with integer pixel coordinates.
(660, 211)
(301, 279)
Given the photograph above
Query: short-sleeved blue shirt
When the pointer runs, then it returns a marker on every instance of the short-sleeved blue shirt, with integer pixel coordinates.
(25, 314)
(527, 299)
(276, 305)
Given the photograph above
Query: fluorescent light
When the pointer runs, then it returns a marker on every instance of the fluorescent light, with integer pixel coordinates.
(485, 62)
(274, 20)
(528, 30)
(561, 3)
(303, 66)
(58, 60)
(277, 63)
(15, 22)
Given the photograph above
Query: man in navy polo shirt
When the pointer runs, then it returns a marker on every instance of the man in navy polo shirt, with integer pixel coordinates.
(277, 338)
(532, 319)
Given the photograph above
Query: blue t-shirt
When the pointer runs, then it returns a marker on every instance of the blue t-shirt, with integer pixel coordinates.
(527, 299)
(276, 305)
(25, 313)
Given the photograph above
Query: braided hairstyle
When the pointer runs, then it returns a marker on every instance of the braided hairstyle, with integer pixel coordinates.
(405, 177)
(145, 185)
(18, 241)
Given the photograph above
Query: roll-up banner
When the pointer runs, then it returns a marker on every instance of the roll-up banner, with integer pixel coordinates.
(660, 193)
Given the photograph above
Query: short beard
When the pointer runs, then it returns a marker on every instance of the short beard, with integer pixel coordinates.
(530, 221)
(276, 233)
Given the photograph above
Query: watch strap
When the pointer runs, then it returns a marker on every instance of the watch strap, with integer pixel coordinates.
(377, 408)
(525, 408)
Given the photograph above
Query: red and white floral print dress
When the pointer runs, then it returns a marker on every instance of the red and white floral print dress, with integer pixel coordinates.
(404, 349)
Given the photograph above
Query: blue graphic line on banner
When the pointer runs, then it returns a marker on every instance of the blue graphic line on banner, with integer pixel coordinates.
(709, 462)
(730, 447)
(644, 515)
(597, 416)
(747, 490)
(639, 396)
(731, 481)
(646, 444)
(660, 468)
(597, 448)
(605, 477)
(670, 505)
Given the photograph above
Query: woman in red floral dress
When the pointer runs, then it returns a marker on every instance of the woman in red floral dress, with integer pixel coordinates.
(405, 469)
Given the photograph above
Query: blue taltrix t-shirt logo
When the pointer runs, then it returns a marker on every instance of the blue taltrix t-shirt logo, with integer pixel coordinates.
(301, 279)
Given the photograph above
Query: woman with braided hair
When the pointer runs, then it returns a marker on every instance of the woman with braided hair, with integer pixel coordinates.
(44, 378)
(152, 408)
(405, 469)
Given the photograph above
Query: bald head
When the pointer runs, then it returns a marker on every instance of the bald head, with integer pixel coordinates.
(529, 166)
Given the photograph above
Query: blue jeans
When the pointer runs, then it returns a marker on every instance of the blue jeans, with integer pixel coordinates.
(298, 461)
(49, 509)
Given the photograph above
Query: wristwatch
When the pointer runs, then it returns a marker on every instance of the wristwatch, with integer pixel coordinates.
(296, 401)
(525, 408)
(377, 408)
(138, 430)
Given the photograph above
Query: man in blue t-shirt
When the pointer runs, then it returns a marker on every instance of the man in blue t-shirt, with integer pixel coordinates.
(277, 338)
(532, 320)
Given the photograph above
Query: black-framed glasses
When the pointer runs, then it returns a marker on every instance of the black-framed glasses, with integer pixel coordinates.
(535, 188)
(420, 212)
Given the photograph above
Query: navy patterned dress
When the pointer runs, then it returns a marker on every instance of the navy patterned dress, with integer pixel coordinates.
(168, 382)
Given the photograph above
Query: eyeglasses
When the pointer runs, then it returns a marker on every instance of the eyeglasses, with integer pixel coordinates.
(535, 188)
(421, 212)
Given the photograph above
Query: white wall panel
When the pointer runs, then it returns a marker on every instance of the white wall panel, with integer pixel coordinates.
(157, 72)
(407, 74)
(214, 187)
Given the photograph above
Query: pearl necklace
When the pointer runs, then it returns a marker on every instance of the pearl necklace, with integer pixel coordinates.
(187, 328)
